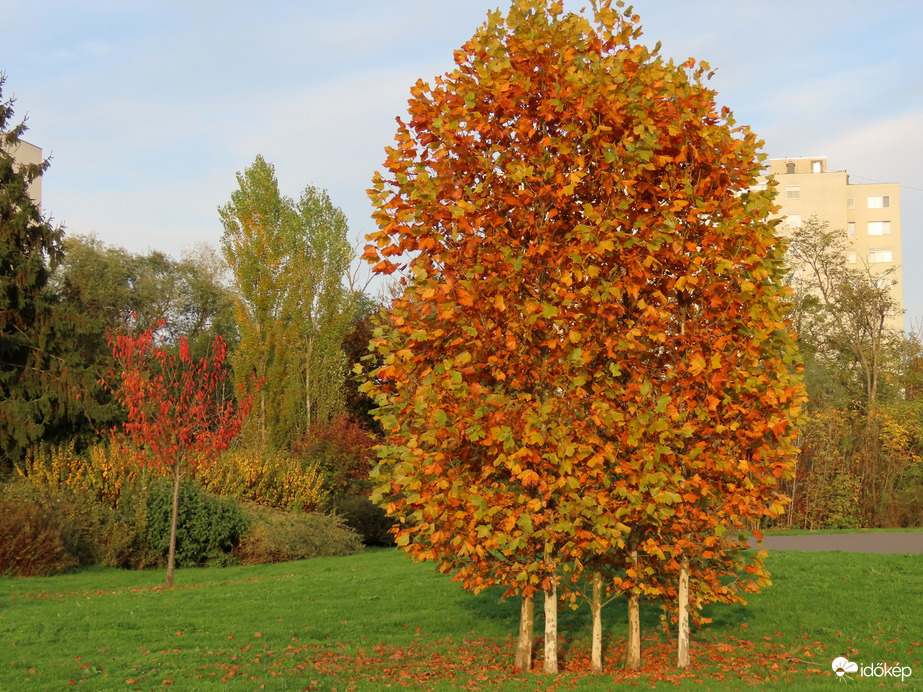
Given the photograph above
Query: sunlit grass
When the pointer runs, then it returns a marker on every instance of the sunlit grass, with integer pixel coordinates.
(368, 620)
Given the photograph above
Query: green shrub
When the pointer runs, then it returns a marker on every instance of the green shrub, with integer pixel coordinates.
(277, 536)
(208, 526)
(365, 518)
(903, 507)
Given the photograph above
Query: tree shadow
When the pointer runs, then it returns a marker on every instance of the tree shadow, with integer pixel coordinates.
(574, 625)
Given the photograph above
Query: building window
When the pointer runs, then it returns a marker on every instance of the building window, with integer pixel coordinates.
(817, 166)
(793, 192)
(879, 228)
(851, 257)
(850, 229)
(879, 256)
(879, 201)
(793, 220)
(850, 202)
(790, 167)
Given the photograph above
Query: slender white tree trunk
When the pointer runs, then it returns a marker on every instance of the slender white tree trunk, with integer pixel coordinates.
(263, 433)
(307, 383)
(526, 634)
(596, 658)
(633, 657)
(551, 628)
(682, 638)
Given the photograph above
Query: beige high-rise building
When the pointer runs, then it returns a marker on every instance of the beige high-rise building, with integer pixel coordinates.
(869, 213)
(25, 153)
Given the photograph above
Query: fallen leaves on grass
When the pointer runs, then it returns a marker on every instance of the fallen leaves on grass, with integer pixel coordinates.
(482, 664)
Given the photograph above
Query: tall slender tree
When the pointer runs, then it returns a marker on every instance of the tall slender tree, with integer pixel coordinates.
(288, 260)
(322, 305)
(257, 237)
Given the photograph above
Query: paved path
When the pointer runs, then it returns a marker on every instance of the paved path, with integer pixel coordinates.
(905, 542)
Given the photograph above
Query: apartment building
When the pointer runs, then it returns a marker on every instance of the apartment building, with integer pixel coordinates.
(869, 213)
(25, 153)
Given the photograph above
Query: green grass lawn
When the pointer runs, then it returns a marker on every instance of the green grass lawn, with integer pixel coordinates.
(378, 620)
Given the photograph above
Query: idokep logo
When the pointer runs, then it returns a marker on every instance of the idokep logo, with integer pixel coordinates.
(841, 666)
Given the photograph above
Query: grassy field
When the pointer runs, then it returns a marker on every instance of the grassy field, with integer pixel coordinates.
(378, 620)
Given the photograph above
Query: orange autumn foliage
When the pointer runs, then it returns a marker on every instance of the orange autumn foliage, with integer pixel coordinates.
(590, 354)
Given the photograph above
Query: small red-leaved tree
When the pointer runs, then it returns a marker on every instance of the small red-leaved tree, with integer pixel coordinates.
(177, 416)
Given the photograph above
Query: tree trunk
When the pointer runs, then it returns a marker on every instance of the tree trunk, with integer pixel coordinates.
(526, 635)
(307, 384)
(263, 436)
(682, 637)
(171, 556)
(551, 628)
(596, 658)
(633, 658)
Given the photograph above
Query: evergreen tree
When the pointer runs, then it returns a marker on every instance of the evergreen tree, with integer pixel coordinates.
(30, 247)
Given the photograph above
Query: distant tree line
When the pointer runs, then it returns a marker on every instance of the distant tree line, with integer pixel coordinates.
(862, 441)
(279, 297)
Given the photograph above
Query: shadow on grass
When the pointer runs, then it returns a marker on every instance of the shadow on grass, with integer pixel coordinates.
(575, 624)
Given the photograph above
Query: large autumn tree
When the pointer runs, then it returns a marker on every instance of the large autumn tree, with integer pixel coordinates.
(589, 367)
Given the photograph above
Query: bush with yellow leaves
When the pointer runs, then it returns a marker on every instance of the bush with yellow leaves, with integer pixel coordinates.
(104, 471)
(271, 478)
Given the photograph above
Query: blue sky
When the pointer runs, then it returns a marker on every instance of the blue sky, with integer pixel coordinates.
(150, 108)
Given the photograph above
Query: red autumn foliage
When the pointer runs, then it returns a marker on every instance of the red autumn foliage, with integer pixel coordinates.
(345, 450)
(177, 417)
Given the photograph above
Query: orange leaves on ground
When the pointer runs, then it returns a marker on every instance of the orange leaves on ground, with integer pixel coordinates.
(482, 664)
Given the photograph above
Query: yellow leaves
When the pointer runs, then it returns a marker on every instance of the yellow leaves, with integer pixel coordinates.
(533, 437)
(103, 471)
(275, 479)
(574, 336)
(529, 478)
(605, 246)
(499, 303)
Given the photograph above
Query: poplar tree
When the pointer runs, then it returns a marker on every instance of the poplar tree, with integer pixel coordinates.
(288, 259)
